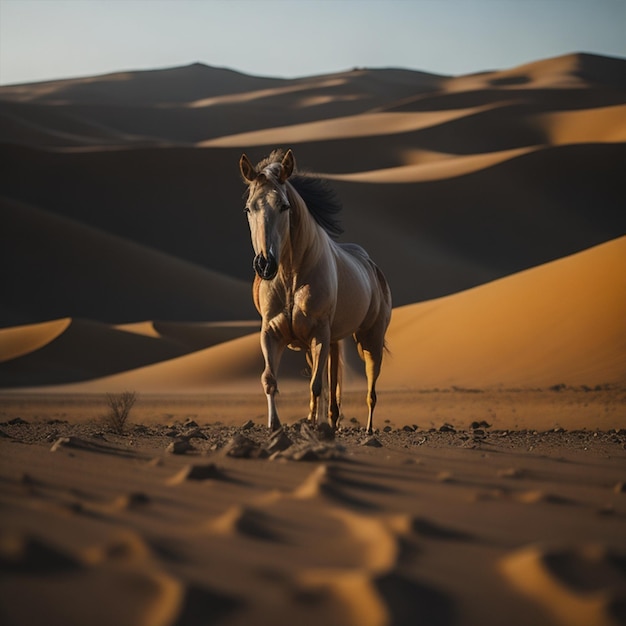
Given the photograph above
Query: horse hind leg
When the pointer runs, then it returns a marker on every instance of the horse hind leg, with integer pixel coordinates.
(319, 359)
(371, 347)
(334, 384)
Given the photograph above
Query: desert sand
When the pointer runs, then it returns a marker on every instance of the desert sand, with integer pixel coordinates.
(493, 490)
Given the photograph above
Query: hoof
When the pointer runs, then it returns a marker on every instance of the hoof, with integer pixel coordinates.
(325, 432)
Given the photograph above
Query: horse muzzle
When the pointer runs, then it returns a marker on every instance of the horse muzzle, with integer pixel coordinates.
(265, 268)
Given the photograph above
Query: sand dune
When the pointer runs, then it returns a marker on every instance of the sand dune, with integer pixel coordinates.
(230, 365)
(447, 182)
(195, 336)
(84, 350)
(442, 218)
(80, 351)
(373, 537)
(364, 125)
(463, 178)
(180, 84)
(20, 340)
(440, 167)
(104, 277)
(194, 103)
(558, 324)
(563, 72)
(596, 125)
(562, 323)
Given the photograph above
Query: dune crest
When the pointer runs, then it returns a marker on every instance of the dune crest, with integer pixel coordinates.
(20, 340)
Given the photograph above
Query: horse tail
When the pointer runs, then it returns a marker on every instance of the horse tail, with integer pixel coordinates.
(386, 296)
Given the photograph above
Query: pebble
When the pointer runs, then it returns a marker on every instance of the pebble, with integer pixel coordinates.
(372, 442)
(194, 433)
(17, 420)
(242, 447)
(200, 472)
(180, 446)
(279, 441)
(248, 425)
(325, 432)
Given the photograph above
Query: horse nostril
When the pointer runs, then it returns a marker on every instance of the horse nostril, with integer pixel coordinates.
(265, 268)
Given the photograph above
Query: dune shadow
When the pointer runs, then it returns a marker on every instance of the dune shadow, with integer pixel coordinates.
(505, 81)
(204, 606)
(248, 522)
(199, 473)
(328, 481)
(431, 530)
(415, 604)
(588, 579)
(22, 554)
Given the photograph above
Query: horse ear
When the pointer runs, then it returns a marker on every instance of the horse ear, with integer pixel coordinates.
(288, 165)
(248, 173)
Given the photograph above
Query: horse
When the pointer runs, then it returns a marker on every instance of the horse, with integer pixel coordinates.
(310, 291)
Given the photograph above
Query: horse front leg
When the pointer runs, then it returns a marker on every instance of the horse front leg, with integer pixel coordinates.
(320, 347)
(272, 348)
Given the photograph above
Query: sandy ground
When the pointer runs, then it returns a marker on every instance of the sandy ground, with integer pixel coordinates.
(190, 519)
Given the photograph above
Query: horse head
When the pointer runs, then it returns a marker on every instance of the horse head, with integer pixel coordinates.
(267, 208)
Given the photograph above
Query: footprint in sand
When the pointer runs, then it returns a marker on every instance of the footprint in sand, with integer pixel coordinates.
(579, 585)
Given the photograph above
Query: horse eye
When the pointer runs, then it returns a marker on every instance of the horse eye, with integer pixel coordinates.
(284, 207)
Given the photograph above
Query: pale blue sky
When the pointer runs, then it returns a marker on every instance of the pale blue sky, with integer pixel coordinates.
(49, 39)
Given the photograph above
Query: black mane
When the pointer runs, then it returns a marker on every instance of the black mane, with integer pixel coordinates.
(321, 200)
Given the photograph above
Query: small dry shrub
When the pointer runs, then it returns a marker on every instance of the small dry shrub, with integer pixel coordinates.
(120, 405)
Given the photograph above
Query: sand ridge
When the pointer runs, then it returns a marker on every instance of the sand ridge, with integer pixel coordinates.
(376, 536)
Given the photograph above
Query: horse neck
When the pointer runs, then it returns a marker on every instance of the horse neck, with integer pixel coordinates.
(307, 241)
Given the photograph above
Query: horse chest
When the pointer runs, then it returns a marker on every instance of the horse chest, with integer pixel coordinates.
(298, 315)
